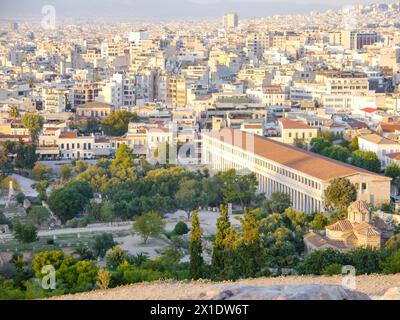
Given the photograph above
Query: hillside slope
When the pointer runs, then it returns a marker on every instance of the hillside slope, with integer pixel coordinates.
(373, 285)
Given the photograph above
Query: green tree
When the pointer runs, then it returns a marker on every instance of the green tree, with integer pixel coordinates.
(319, 222)
(354, 144)
(319, 144)
(251, 246)
(238, 189)
(88, 126)
(337, 152)
(6, 167)
(316, 261)
(34, 123)
(37, 215)
(123, 167)
(46, 258)
(392, 264)
(340, 193)
(196, 248)
(149, 224)
(226, 241)
(26, 156)
(41, 172)
(101, 244)
(367, 160)
(10, 146)
(392, 171)
(69, 201)
(83, 187)
(85, 253)
(77, 276)
(25, 233)
(13, 112)
(20, 197)
(81, 166)
(181, 228)
(188, 195)
(332, 269)
(392, 244)
(65, 172)
(366, 260)
(116, 124)
(41, 188)
(279, 202)
(97, 177)
(115, 257)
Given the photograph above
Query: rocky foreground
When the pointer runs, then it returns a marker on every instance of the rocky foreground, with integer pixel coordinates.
(375, 287)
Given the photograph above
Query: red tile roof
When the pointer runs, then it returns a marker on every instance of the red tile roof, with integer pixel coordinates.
(291, 124)
(369, 110)
(389, 127)
(357, 125)
(69, 135)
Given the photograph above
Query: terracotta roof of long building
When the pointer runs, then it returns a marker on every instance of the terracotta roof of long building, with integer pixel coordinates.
(306, 162)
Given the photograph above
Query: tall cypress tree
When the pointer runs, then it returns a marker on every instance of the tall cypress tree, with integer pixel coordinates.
(250, 250)
(224, 260)
(196, 249)
(223, 225)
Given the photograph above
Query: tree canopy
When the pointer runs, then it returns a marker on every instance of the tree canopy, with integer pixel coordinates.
(149, 224)
(70, 200)
(34, 123)
(116, 124)
(340, 193)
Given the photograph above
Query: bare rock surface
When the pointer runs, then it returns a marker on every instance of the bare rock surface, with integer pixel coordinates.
(390, 294)
(283, 292)
(374, 286)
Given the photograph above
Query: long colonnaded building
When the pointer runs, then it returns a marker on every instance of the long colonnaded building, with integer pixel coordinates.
(280, 167)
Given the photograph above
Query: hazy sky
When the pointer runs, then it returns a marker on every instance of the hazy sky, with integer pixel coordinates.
(168, 9)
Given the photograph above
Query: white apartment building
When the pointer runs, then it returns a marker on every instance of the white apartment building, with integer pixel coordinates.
(379, 145)
(157, 136)
(119, 91)
(72, 146)
(56, 100)
(307, 91)
(283, 168)
(341, 86)
(136, 37)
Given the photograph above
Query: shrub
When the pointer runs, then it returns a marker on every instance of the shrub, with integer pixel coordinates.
(392, 244)
(101, 244)
(20, 197)
(181, 228)
(103, 279)
(37, 214)
(25, 233)
(332, 269)
(317, 260)
(392, 264)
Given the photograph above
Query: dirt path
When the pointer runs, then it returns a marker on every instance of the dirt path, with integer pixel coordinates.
(372, 285)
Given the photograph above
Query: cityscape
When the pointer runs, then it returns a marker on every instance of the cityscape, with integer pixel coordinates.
(148, 153)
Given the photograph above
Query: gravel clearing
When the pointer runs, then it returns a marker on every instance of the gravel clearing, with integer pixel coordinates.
(373, 285)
